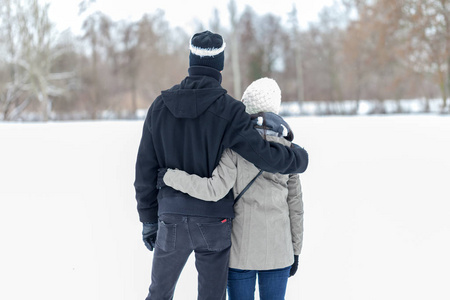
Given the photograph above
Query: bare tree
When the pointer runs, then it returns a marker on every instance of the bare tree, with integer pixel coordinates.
(33, 51)
(97, 33)
(445, 13)
(248, 47)
(132, 61)
(429, 42)
(295, 36)
(214, 22)
(12, 97)
(159, 52)
(328, 41)
(83, 5)
(232, 8)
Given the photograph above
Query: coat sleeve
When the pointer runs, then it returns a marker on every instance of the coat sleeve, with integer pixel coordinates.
(146, 176)
(269, 156)
(211, 188)
(295, 203)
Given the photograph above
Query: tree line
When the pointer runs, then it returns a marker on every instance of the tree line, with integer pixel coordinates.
(358, 50)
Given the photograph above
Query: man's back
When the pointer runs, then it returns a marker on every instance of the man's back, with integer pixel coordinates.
(190, 123)
(188, 127)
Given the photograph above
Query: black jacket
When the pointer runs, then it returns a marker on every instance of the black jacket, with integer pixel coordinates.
(187, 127)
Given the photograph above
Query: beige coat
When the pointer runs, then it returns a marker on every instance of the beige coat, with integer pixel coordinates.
(268, 226)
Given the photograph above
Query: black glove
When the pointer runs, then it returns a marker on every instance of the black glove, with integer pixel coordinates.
(149, 235)
(160, 181)
(294, 266)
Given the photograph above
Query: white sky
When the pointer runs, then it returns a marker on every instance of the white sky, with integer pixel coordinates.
(179, 13)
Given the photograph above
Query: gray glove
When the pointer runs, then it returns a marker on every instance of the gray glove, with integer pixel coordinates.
(149, 231)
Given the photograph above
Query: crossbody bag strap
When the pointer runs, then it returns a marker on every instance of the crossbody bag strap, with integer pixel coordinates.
(247, 187)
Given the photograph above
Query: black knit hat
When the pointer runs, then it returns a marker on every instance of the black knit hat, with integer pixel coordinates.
(207, 49)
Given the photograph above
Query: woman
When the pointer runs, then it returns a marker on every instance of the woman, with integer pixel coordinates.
(267, 229)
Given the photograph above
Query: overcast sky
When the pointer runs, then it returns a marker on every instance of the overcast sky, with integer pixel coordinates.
(179, 13)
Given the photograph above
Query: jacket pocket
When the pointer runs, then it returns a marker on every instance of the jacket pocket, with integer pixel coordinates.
(166, 236)
(217, 235)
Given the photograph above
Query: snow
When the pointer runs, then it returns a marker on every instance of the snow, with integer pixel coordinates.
(377, 202)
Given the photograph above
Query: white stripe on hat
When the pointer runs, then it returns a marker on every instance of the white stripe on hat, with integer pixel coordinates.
(206, 51)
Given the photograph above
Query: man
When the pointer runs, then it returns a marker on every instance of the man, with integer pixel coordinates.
(188, 127)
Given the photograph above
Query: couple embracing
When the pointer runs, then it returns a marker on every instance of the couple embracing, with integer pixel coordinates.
(219, 177)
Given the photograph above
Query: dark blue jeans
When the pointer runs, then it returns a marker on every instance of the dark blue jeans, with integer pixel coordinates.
(272, 284)
(178, 236)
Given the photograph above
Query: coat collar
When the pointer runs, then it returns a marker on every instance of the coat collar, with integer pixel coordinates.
(205, 71)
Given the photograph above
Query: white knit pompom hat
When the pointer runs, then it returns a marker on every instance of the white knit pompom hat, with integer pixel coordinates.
(262, 95)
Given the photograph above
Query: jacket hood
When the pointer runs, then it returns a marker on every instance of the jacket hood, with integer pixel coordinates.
(273, 122)
(194, 94)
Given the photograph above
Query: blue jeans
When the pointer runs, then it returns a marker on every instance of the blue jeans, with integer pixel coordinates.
(272, 284)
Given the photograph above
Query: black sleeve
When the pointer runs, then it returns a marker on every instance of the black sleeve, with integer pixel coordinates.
(268, 156)
(146, 175)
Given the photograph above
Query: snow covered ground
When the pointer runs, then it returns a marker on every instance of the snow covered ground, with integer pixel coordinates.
(377, 211)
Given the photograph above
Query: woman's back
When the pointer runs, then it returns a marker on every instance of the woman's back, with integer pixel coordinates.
(261, 235)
